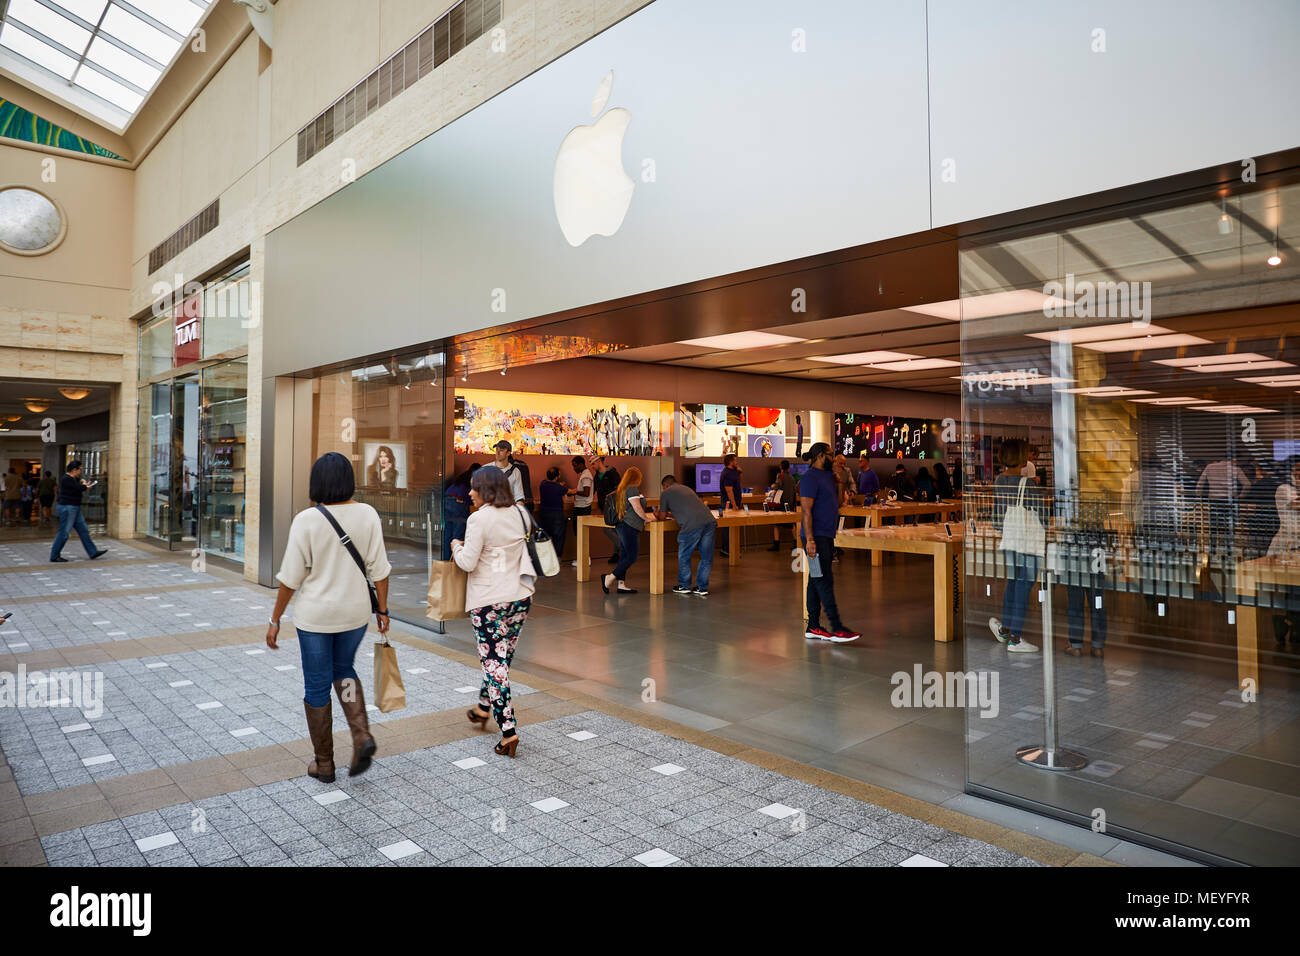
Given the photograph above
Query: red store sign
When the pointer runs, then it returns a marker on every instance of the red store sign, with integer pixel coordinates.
(187, 346)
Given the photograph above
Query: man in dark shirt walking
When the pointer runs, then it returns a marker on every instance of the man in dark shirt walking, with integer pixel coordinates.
(71, 487)
(820, 499)
(730, 483)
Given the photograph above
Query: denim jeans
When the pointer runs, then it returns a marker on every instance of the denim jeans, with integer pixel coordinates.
(555, 524)
(1077, 599)
(821, 590)
(1022, 573)
(629, 543)
(70, 517)
(687, 542)
(325, 659)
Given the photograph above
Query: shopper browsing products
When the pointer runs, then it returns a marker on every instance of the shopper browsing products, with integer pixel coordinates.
(632, 517)
(819, 498)
(696, 527)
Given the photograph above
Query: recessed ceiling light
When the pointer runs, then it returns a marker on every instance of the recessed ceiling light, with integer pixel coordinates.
(1239, 367)
(1175, 400)
(917, 365)
(1234, 361)
(1106, 391)
(1174, 341)
(73, 393)
(1272, 381)
(1235, 409)
(742, 340)
(987, 306)
(1024, 378)
(1098, 333)
(36, 405)
(864, 358)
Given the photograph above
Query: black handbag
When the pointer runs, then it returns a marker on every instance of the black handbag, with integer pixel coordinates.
(356, 556)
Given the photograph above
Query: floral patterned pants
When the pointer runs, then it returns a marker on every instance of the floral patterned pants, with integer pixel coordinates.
(497, 627)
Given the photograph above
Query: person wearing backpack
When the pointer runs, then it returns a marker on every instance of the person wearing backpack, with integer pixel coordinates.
(507, 466)
(1020, 513)
(606, 484)
(333, 607)
(627, 506)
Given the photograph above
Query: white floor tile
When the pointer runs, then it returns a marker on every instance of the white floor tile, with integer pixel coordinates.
(465, 690)
(400, 851)
(655, 857)
(244, 732)
(334, 796)
(285, 667)
(582, 735)
(157, 664)
(254, 653)
(181, 683)
(668, 769)
(156, 842)
(75, 728)
(778, 810)
(550, 804)
(918, 860)
(96, 761)
(417, 670)
(209, 705)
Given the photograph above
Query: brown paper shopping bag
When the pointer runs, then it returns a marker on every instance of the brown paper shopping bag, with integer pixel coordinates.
(446, 591)
(390, 692)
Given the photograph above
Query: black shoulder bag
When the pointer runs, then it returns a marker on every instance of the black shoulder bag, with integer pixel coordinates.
(356, 556)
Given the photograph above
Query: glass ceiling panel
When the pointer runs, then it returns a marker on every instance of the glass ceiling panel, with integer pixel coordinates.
(117, 60)
(36, 51)
(115, 93)
(137, 34)
(122, 43)
(48, 23)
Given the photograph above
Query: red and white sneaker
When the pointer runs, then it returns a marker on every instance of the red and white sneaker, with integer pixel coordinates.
(817, 633)
(842, 635)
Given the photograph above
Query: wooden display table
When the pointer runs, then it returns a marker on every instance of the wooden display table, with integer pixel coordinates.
(946, 551)
(1282, 570)
(878, 515)
(658, 530)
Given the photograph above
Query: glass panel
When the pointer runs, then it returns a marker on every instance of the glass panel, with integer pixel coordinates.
(226, 313)
(134, 32)
(185, 461)
(180, 16)
(102, 86)
(392, 413)
(153, 471)
(225, 434)
(88, 10)
(125, 65)
(48, 23)
(156, 347)
(1138, 376)
(38, 52)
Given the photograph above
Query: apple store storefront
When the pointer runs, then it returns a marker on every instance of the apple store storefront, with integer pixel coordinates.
(620, 289)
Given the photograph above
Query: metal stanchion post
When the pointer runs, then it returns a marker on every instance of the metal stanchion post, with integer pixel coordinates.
(1048, 755)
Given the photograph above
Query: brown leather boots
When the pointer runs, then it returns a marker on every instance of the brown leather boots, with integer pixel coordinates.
(353, 702)
(320, 726)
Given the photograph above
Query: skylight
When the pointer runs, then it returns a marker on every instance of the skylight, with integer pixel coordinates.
(101, 57)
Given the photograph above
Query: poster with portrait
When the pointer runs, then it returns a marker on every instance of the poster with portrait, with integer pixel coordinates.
(385, 464)
(766, 446)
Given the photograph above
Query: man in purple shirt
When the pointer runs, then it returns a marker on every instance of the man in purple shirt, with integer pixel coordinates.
(820, 500)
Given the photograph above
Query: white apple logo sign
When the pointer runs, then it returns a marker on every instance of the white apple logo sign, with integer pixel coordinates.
(592, 191)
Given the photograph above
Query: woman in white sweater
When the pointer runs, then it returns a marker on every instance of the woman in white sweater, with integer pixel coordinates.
(333, 607)
(498, 593)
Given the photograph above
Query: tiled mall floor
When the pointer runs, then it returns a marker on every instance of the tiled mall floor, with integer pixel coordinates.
(198, 754)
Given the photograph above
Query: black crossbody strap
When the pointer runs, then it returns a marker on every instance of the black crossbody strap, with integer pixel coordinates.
(356, 555)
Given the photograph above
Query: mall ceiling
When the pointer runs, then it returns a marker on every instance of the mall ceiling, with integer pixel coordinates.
(15, 396)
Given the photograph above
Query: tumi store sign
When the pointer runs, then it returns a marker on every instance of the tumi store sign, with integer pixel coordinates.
(187, 345)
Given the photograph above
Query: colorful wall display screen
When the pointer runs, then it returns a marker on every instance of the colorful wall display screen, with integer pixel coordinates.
(883, 436)
(545, 424)
(712, 431)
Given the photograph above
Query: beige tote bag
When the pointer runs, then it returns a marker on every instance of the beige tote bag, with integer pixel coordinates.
(446, 591)
(390, 692)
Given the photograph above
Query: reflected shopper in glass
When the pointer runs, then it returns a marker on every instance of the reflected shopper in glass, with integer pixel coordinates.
(498, 594)
(1012, 489)
(456, 509)
(333, 607)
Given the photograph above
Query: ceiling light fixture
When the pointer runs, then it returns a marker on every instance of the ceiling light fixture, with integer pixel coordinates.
(1174, 400)
(988, 306)
(917, 365)
(1235, 409)
(1146, 342)
(73, 394)
(742, 340)
(1106, 391)
(864, 358)
(1225, 221)
(36, 405)
(12, 418)
(1098, 333)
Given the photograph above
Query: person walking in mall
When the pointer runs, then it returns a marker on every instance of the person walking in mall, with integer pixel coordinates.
(45, 491)
(506, 465)
(1287, 538)
(582, 494)
(696, 527)
(550, 516)
(68, 510)
(328, 544)
(606, 484)
(13, 492)
(525, 482)
(942, 482)
(632, 517)
(1013, 489)
(1220, 486)
(456, 508)
(819, 499)
(498, 593)
(731, 496)
(784, 485)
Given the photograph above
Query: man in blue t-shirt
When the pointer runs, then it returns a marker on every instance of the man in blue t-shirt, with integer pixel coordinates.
(730, 485)
(820, 500)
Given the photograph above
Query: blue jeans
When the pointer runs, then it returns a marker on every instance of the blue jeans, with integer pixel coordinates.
(325, 659)
(629, 544)
(1077, 599)
(555, 524)
(1022, 573)
(687, 542)
(70, 517)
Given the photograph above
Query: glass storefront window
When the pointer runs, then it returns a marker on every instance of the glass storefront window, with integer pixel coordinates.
(156, 347)
(226, 312)
(1148, 364)
(224, 436)
(153, 464)
(392, 414)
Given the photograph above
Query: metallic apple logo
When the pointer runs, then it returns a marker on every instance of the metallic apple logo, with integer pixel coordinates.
(592, 191)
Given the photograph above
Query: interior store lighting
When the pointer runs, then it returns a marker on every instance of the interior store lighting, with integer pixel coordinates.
(36, 405)
(864, 358)
(73, 393)
(1106, 391)
(1145, 342)
(1174, 400)
(988, 306)
(1099, 333)
(742, 340)
(1235, 409)
(1272, 381)
(917, 365)
(1225, 221)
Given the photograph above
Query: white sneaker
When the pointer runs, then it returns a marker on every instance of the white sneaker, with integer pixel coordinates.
(996, 627)
(1021, 647)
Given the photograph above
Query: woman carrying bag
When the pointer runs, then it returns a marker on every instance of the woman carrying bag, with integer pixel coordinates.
(498, 593)
(1020, 512)
(335, 601)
